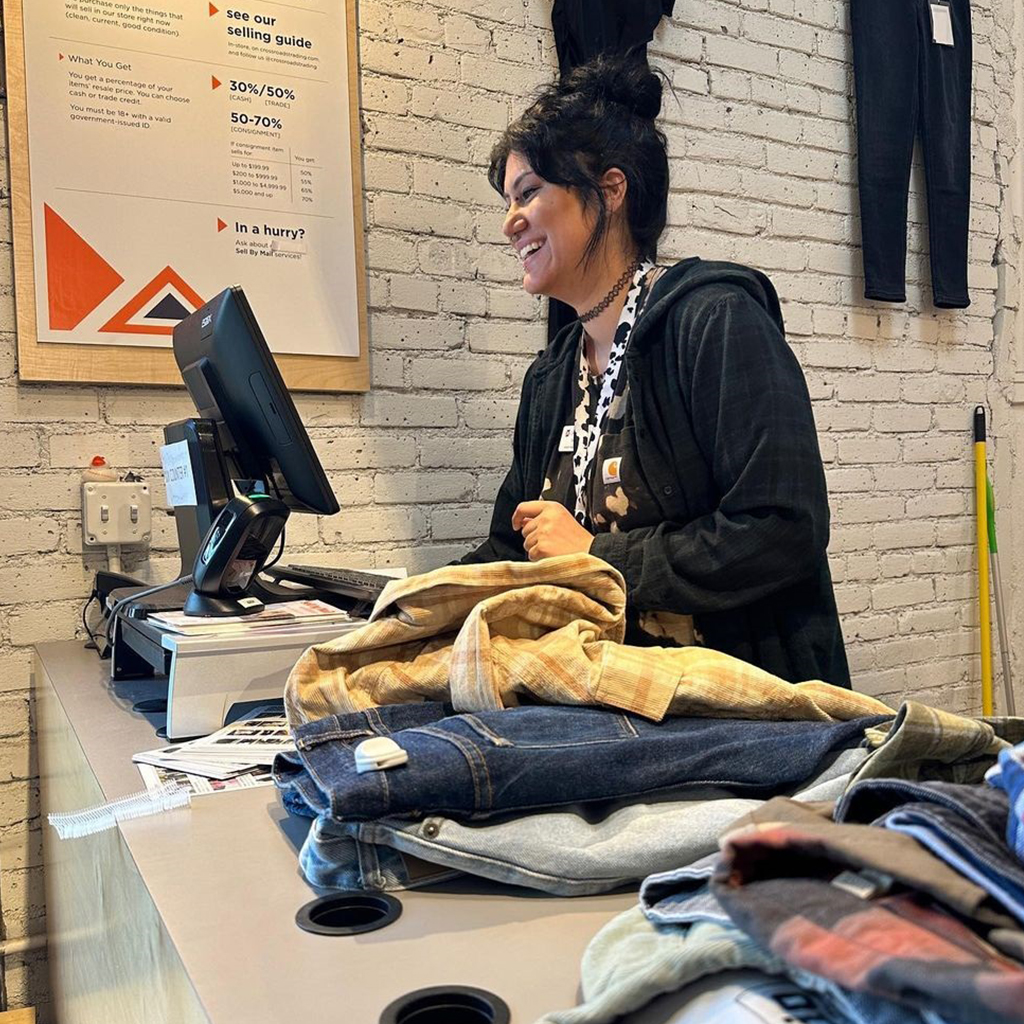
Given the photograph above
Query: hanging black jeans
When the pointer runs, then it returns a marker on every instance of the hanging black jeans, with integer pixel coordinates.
(906, 82)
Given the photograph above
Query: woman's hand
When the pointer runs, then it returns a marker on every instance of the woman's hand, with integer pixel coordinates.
(548, 529)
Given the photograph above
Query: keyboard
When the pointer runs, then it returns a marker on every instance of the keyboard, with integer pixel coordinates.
(364, 586)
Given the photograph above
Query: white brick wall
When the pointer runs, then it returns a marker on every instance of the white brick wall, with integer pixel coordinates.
(763, 154)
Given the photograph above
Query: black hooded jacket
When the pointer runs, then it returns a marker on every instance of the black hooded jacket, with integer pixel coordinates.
(726, 440)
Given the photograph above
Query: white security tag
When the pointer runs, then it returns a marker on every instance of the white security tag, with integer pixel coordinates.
(567, 440)
(610, 470)
(379, 754)
(942, 25)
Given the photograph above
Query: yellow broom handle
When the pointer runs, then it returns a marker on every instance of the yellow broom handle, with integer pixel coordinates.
(981, 506)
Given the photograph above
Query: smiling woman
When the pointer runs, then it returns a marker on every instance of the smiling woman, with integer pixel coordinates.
(668, 430)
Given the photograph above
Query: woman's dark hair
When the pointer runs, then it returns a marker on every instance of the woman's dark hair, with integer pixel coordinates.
(600, 115)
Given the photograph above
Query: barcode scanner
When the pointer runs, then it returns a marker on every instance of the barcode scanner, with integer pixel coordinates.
(235, 548)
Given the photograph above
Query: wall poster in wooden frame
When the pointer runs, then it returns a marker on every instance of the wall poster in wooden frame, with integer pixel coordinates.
(161, 152)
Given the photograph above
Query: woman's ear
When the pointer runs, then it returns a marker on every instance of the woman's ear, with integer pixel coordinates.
(614, 185)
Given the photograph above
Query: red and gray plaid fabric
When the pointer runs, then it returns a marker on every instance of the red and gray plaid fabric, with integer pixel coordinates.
(823, 908)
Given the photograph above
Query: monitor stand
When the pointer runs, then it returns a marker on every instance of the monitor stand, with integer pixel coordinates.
(213, 471)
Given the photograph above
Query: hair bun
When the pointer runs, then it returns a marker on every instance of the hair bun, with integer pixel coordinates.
(626, 79)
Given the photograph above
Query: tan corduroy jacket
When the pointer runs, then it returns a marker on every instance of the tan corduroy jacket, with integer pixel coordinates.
(482, 636)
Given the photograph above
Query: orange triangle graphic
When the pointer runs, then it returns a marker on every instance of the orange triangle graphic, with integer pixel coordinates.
(216, 81)
(78, 278)
(60, 55)
(220, 224)
(120, 323)
(213, 10)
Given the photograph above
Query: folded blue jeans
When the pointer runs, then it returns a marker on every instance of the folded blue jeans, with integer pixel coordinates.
(477, 766)
(567, 852)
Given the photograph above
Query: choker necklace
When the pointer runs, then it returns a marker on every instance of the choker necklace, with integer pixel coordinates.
(616, 288)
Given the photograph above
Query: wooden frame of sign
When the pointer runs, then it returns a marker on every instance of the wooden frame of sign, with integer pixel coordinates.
(125, 364)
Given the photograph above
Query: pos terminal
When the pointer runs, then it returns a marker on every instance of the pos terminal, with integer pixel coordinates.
(247, 459)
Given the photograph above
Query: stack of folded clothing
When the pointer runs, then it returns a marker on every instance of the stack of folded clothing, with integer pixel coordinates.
(525, 743)
(570, 800)
(635, 754)
(900, 903)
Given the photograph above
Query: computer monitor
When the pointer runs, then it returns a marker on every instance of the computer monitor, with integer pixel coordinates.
(234, 382)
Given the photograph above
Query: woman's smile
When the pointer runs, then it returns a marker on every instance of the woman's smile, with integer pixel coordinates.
(527, 252)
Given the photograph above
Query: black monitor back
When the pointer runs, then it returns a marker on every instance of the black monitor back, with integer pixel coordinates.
(234, 381)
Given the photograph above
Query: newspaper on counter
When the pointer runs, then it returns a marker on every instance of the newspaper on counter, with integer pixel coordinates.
(154, 777)
(235, 757)
(273, 616)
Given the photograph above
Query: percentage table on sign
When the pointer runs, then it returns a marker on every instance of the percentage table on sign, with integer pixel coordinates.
(307, 184)
(293, 180)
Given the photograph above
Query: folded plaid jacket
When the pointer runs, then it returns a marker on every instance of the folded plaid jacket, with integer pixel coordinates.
(485, 636)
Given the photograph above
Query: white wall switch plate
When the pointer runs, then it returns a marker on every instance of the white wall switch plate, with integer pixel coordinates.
(116, 513)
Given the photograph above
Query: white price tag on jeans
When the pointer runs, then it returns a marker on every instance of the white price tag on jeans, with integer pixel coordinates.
(942, 25)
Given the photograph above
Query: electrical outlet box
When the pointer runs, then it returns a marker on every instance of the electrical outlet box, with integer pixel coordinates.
(116, 513)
